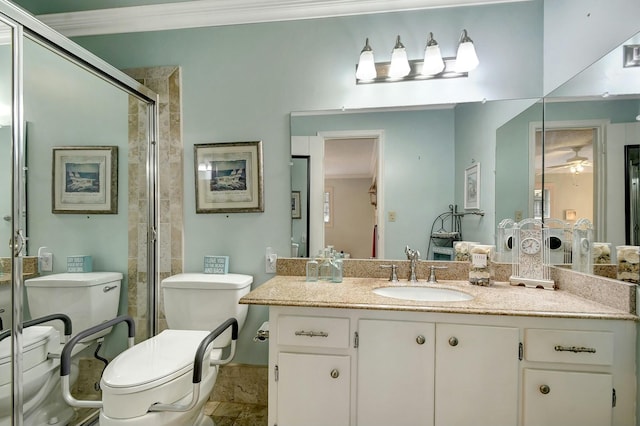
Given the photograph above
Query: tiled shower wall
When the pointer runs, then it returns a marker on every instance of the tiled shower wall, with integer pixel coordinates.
(166, 82)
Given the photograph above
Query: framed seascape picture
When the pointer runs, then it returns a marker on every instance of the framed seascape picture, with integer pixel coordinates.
(229, 177)
(85, 180)
(472, 187)
(295, 205)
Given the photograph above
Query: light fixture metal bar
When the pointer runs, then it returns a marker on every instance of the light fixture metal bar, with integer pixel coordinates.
(382, 70)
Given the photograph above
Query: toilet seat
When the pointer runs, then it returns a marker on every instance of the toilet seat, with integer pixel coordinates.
(158, 370)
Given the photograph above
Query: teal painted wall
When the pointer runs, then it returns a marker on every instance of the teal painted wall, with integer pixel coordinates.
(241, 83)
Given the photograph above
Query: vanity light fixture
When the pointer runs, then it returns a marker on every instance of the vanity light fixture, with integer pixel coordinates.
(433, 63)
(631, 55)
(399, 62)
(466, 59)
(366, 69)
(432, 66)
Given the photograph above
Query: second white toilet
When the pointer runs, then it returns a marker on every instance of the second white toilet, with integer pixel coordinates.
(159, 370)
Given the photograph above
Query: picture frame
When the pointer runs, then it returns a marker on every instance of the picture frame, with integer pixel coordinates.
(472, 187)
(295, 205)
(84, 180)
(228, 177)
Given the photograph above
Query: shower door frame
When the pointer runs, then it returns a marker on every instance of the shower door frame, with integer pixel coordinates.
(25, 25)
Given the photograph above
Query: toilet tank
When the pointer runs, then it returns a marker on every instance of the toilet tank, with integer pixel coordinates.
(88, 298)
(197, 301)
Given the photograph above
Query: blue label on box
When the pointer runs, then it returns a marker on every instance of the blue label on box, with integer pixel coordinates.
(80, 263)
(216, 264)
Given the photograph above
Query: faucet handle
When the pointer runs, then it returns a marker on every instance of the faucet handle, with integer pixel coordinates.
(394, 272)
(432, 273)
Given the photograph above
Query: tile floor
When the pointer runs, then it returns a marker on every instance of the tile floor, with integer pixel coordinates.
(236, 414)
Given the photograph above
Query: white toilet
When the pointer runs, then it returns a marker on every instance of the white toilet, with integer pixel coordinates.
(160, 369)
(88, 299)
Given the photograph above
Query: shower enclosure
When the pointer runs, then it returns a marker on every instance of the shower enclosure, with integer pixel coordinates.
(55, 94)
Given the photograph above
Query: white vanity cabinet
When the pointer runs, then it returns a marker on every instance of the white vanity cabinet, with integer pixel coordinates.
(569, 378)
(476, 368)
(380, 367)
(393, 356)
(311, 371)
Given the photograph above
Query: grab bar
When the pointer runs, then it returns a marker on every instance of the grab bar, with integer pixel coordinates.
(65, 359)
(62, 317)
(197, 365)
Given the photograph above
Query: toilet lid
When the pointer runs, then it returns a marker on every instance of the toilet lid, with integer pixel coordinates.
(207, 281)
(155, 361)
(73, 279)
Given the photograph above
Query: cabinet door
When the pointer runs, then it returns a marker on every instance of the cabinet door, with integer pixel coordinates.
(476, 375)
(567, 398)
(313, 389)
(395, 373)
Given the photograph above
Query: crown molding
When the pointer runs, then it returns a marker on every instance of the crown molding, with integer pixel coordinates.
(208, 13)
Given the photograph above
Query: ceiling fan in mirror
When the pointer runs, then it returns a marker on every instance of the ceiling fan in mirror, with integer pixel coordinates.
(576, 163)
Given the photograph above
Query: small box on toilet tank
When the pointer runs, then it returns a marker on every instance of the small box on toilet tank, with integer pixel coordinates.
(216, 264)
(79, 263)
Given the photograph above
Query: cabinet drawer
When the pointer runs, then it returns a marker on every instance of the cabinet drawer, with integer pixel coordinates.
(313, 331)
(575, 347)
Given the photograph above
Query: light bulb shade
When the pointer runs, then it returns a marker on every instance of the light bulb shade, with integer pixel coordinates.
(433, 63)
(399, 62)
(366, 69)
(466, 58)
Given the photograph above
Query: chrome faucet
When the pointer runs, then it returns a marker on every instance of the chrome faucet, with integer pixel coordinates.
(413, 256)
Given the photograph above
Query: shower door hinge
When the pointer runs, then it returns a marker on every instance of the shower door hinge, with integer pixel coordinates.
(520, 351)
(356, 339)
(276, 373)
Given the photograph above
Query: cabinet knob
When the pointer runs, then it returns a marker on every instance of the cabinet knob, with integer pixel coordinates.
(453, 341)
(420, 340)
(544, 389)
(335, 373)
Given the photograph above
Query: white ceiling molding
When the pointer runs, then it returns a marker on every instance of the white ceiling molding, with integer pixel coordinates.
(208, 13)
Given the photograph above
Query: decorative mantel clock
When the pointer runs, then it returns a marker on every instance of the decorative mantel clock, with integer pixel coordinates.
(531, 256)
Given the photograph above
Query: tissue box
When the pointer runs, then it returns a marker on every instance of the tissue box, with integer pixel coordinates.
(79, 263)
(216, 264)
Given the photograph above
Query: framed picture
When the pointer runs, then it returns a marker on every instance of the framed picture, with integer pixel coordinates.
(85, 180)
(472, 187)
(295, 205)
(229, 177)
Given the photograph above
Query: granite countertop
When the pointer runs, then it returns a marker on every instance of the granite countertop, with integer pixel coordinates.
(498, 299)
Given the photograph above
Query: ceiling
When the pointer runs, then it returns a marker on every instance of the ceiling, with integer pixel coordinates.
(350, 158)
(140, 15)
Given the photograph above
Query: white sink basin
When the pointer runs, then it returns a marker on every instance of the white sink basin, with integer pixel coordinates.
(428, 294)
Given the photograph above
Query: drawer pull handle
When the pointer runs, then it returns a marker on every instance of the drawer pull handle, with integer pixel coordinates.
(574, 349)
(420, 340)
(453, 341)
(311, 333)
(335, 373)
(545, 389)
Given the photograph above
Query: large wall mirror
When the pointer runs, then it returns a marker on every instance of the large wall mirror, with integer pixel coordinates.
(592, 124)
(417, 152)
(578, 169)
